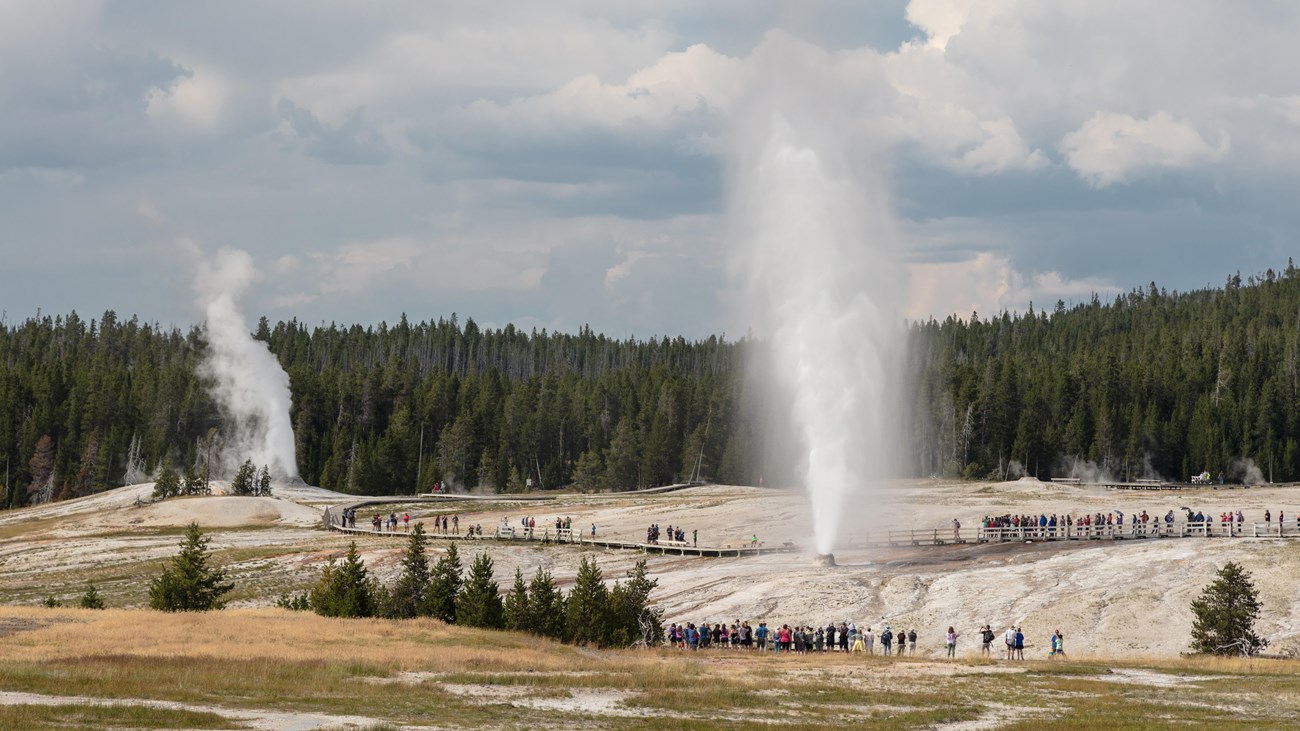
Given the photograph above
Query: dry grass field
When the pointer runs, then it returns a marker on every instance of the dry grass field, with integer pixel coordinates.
(271, 669)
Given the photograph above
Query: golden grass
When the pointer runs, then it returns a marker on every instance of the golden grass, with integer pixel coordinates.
(276, 634)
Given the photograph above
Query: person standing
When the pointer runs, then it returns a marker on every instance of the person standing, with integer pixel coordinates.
(902, 642)
(870, 639)
(1058, 644)
(986, 638)
(951, 640)
(1020, 644)
(911, 642)
(886, 641)
(695, 537)
(1010, 638)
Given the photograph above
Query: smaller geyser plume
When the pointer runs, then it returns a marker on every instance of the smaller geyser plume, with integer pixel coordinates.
(247, 381)
(813, 238)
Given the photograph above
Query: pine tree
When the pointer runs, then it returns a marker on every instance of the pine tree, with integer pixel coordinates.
(409, 597)
(515, 607)
(264, 482)
(168, 483)
(587, 619)
(633, 621)
(41, 488)
(91, 599)
(245, 482)
(1226, 613)
(192, 484)
(589, 474)
(621, 459)
(479, 601)
(444, 586)
(546, 607)
(344, 590)
(189, 584)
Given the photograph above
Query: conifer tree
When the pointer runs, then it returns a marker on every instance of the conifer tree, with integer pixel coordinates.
(344, 590)
(479, 601)
(245, 482)
(189, 584)
(587, 616)
(633, 621)
(1226, 613)
(409, 596)
(91, 599)
(264, 482)
(515, 607)
(168, 484)
(192, 483)
(546, 607)
(589, 474)
(444, 586)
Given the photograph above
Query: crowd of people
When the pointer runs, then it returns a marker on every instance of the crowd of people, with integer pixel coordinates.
(1014, 640)
(529, 524)
(677, 534)
(1116, 520)
(800, 639)
(844, 637)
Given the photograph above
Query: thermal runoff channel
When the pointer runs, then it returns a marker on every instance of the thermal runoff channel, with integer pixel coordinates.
(816, 243)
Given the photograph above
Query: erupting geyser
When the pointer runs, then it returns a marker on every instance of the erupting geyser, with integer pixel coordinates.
(247, 381)
(814, 240)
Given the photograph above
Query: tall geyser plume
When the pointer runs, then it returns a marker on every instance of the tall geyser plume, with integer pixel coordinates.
(813, 240)
(247, 381)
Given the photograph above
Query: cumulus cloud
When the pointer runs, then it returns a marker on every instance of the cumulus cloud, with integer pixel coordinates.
(989, 284)
(1110, 148)
(541, 161)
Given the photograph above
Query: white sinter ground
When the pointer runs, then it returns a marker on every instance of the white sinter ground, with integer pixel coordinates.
(1127, 597)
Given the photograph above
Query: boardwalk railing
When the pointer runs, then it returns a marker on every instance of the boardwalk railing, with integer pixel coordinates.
(1275, 530)
(548, 534)
(1113, 532)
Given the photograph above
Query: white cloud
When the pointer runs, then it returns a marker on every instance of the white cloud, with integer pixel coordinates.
(1110, 148)
(198, 101)
(988, 284)
(353, 267)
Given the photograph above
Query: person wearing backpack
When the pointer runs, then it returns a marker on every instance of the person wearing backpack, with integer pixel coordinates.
(886, 641)
(986, 637)
(911, 639)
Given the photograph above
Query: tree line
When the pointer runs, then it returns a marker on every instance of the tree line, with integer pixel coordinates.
(591, 613)
(1153, 383)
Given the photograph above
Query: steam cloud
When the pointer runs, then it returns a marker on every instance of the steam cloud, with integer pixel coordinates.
(813, 240)
(247, 381)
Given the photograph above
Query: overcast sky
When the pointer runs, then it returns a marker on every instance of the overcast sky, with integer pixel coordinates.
(559, 163)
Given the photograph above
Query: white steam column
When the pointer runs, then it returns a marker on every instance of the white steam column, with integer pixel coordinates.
(247, 381)
(814, 241)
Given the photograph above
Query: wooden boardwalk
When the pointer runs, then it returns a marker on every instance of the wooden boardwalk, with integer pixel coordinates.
(550, 534)
(1177, 529)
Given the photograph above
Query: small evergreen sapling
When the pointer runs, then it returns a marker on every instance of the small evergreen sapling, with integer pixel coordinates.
(91, 599)
(189, 584)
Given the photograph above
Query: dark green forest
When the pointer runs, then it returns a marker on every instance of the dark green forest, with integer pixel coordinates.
(1152, 383)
